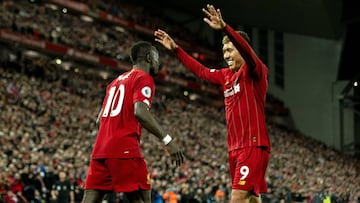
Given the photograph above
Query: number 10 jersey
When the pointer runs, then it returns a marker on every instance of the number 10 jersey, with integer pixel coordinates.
(119, 131)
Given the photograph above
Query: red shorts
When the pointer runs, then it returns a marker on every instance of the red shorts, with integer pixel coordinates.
(119, 175)
(247, 169)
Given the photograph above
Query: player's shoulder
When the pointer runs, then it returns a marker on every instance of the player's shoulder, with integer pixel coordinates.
(136, 72)
(133, 74)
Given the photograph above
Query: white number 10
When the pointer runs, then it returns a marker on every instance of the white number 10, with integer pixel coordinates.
(115, 96)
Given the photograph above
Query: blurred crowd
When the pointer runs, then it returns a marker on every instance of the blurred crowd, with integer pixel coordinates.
(47, 127)
(95, 37)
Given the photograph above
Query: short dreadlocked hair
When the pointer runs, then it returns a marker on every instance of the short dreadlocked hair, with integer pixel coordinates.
(242, 33)
(140, 50)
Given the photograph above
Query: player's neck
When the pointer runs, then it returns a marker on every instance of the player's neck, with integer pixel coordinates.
(141, 66)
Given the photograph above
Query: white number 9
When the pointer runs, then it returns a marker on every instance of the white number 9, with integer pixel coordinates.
(244, 171)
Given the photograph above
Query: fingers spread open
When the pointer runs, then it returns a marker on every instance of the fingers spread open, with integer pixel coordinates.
(177, 158)
(207, 13)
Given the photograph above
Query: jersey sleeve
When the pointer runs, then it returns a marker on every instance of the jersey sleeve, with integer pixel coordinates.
(144, 89)
(212, 75)
(253, 62)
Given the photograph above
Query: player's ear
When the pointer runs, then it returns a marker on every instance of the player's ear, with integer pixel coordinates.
(148, 58)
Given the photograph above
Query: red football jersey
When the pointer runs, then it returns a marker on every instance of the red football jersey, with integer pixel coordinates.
(120, 132)
(244, 94)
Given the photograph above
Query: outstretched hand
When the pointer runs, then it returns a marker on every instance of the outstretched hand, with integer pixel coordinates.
(163, 38)
(176, 155)
(213, 17)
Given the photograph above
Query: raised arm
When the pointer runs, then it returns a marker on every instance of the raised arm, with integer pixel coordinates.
(250, 57)
(214, 20)
(203, 72)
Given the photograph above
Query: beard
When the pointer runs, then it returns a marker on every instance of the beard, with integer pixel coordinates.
(152, 72)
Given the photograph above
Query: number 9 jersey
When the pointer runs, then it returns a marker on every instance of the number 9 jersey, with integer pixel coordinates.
(119, 131)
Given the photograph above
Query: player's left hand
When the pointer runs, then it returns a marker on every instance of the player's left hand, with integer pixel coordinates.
(176, 154)
(213, 17)
(165, 39)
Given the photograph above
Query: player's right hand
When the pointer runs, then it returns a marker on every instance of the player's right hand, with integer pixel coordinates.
(176, 154)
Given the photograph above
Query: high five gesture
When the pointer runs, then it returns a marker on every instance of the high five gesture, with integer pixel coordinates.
(213, 17)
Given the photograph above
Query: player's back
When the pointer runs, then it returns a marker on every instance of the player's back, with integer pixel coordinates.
(119, 131)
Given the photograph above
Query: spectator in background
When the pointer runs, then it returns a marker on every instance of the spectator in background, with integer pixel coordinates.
(170, 195)
(63, 191)
(220, 195)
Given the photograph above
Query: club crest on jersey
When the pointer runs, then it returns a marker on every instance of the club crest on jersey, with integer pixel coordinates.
(146, 91)
(232, 90)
